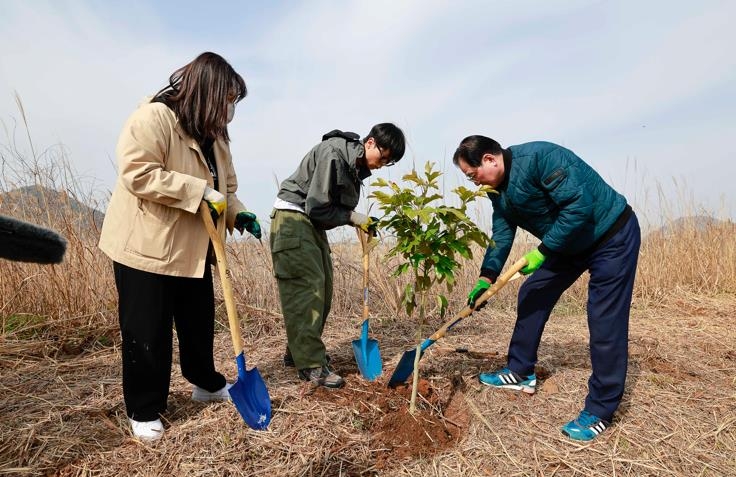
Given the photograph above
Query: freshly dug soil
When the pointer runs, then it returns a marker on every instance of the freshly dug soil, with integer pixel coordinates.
(438, 423)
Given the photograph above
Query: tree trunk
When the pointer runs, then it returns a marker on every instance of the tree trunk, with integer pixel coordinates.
(415, 381)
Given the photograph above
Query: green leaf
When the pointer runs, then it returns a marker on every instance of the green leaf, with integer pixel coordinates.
(442, 302)
(412, 177)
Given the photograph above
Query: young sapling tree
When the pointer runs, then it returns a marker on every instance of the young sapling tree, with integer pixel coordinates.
(431, 237)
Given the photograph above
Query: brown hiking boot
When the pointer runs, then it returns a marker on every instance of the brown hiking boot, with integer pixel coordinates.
(323, 376)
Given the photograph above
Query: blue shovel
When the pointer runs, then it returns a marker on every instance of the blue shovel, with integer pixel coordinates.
(406, 363)
(249, 393)
(366, 351)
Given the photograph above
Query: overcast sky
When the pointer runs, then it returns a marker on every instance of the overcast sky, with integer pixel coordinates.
(642, 90)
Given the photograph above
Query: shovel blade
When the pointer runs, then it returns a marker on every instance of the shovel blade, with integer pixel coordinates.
(403, 369)
(250, 396)
(368, 357)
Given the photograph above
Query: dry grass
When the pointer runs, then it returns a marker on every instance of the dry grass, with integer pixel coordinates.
(61, 413)
(61, 407)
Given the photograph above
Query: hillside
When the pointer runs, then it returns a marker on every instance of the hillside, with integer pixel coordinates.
(51, 208)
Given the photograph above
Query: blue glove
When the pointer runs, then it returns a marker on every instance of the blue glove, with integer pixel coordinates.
(247, 221)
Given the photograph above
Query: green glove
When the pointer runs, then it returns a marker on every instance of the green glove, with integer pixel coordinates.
(247, 221)
(534, 259)
(480, 287)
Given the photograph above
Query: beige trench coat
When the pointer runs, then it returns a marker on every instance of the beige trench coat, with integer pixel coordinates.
(152, 222)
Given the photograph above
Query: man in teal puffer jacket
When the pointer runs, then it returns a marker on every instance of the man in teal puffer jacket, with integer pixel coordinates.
(583, 224)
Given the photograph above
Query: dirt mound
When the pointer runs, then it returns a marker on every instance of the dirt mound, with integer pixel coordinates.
(439, 422)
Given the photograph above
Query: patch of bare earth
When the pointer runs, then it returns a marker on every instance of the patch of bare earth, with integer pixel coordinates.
(61, 407)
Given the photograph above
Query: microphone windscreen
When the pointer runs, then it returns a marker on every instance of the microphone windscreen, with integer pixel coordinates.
(25, 242)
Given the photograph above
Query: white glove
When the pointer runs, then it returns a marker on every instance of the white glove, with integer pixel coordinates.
(215, 200)
(366, 224)
(356, 218)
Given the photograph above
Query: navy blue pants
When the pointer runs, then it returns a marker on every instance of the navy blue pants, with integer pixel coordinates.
(612, 268)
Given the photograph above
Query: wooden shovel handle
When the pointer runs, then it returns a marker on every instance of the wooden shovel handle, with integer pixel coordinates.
(467, 311)
(227, 288)
(366, 247)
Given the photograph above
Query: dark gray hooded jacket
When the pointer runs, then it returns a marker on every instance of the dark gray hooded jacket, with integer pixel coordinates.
(327, 182)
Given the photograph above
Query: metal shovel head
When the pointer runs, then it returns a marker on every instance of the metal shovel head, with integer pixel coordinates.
(404, 368)
(250, 396)
(406, 363)
(368, 356)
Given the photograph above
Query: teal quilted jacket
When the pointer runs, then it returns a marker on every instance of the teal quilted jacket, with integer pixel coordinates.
(554, 195)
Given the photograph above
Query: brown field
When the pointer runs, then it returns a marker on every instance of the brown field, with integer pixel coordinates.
(61, 409)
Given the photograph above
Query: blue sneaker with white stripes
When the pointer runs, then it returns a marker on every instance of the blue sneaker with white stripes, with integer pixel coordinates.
(508, 379)
(585, 428)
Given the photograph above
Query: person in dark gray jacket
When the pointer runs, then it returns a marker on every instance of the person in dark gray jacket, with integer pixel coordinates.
(320, 195)
(583, 225)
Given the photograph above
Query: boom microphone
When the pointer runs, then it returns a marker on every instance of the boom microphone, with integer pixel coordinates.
(25, 242)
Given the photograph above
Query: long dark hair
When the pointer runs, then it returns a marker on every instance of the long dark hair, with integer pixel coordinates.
(198, 94)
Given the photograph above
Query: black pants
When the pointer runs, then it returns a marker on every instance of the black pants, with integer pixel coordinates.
(612, 268)
(149, 305)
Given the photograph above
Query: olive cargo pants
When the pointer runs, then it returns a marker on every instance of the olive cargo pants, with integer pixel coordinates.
(302, 266)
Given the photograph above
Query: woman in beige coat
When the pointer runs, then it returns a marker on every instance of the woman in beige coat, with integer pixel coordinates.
(173, 152)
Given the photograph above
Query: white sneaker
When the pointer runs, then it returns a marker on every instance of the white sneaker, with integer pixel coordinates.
(147, 430)
(202, 395)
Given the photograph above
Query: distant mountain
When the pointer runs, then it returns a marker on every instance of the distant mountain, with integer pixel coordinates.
(51, 208)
